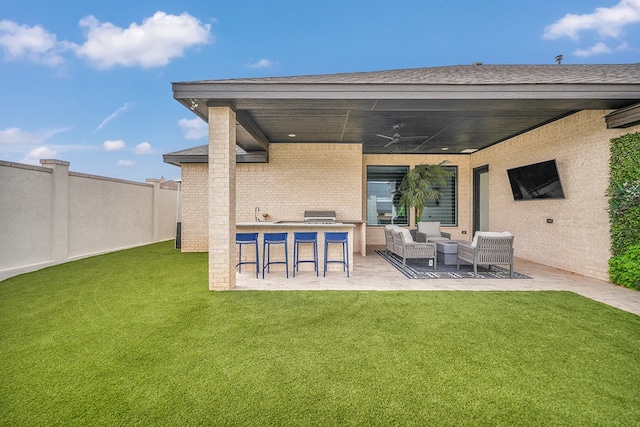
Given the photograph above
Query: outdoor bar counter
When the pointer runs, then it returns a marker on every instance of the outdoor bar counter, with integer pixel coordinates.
(305, 249)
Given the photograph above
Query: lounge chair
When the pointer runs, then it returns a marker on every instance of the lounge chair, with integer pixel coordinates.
(487, 248)
(406, 248)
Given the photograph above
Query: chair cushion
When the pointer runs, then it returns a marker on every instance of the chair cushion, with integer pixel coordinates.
(489, 234)
(433, 239)
(408, 238)
(430, 228)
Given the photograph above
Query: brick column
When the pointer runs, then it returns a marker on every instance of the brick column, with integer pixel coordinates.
(222, 198)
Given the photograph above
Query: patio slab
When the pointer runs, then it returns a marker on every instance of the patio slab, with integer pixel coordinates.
(371, 273)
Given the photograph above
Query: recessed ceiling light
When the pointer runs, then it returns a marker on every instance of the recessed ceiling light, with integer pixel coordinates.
(292, 135)
(445, 148)
(469, 150)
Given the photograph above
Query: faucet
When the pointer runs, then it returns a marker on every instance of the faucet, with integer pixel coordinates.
(255, 213)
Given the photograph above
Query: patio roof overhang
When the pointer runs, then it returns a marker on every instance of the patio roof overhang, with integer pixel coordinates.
(457, 109)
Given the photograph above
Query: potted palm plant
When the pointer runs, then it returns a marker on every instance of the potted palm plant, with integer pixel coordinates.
(419, 185)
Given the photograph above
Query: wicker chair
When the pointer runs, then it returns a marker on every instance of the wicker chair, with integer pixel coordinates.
(406, 248)
(388, 237)
(487, 248)
(429, 231)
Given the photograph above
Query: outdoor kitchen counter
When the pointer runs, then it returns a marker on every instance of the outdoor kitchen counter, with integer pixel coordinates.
(292, 226)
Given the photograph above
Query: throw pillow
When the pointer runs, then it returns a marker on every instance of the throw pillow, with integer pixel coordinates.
(408, 238)
(488, 233)
(430, 228)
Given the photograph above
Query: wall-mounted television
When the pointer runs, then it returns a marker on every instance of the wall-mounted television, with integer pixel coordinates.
(536, 181)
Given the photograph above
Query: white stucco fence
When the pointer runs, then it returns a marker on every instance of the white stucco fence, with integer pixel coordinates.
(49, 215)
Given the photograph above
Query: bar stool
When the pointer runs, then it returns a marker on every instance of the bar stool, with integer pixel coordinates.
(274, 239)
(247, 239)
(343, 239)
(300, 238)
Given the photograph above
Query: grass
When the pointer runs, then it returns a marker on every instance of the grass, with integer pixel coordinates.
(135, 337)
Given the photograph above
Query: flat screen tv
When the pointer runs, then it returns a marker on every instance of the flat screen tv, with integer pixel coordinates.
(536, 181)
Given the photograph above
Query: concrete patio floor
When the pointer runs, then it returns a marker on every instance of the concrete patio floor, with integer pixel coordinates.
(372, 273)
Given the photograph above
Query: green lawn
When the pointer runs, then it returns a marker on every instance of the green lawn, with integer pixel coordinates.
(135, 337)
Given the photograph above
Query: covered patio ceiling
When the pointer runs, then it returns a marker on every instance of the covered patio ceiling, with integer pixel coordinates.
(456, 109)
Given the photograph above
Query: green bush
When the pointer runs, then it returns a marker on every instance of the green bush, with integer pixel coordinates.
(624, 231)
(625, 269)
(624, 210)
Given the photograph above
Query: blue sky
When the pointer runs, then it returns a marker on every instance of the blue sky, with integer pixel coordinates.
(90, 82)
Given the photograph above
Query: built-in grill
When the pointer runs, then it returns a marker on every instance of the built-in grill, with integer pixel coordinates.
(320, 217)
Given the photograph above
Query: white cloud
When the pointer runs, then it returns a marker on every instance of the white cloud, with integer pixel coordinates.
(152, 44)
(113, 145)
(599, 49)
(34, 44)
(119, 111)
(143, 148)
(33, 157)
(193, 128)
(18, 136)
(607, 22)
(126, 163)
(262, 63)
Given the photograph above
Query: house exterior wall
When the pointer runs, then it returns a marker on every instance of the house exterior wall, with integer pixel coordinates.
(195, 208)
(298, 177)
(578, 239)
(333, 176)
(375, 234)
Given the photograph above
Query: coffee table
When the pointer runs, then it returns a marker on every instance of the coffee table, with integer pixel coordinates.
(448, 252)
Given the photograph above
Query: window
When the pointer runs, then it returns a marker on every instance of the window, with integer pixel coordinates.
(383, 183)
(444, 210)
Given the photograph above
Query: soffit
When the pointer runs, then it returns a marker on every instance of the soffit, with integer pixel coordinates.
(454, 108)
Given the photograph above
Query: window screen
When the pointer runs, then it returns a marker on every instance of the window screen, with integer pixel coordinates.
(444, 210)
(383, 184)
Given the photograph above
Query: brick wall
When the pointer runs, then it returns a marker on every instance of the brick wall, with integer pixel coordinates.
(375, 234)
(327, 176)
(195, 209)
(298, 177)
(578, 238)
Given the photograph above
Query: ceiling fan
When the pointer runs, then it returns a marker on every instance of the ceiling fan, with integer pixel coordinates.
(396, 138)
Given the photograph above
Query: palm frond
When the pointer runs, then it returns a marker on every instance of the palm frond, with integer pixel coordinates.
(418, 185)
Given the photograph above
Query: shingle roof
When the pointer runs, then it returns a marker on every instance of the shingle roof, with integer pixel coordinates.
(201, 150)
(471, 74)
(199, 154)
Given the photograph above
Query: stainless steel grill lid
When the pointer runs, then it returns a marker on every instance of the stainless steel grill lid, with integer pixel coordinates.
(320, 216)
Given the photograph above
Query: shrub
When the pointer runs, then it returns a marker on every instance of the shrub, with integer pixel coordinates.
(624, 210)
(625, 269)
